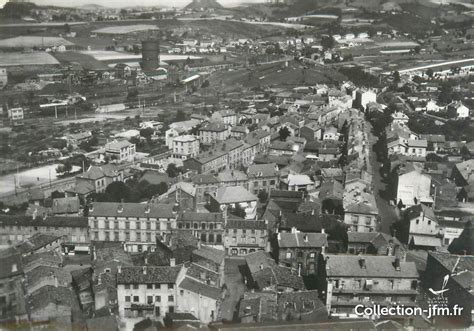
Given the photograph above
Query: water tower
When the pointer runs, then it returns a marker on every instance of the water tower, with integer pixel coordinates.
(150, 55)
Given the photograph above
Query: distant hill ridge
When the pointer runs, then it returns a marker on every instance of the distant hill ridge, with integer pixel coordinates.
(206, 4)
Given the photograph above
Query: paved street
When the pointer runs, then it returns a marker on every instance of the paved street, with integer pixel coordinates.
(235, 287)
(387, 212)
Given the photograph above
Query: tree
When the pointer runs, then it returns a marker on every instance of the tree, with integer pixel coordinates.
(263, 196)
(64, 168)
(180, 116)
(238, 211)
(396, 77)
(429, 72)
(284, 133)
(327, 42)
(172, 170)
(117, 192)
(147, 133)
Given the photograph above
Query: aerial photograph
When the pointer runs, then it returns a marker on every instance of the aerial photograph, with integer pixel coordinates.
(233, 165)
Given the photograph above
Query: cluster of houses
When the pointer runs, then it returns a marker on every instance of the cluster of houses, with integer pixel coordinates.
(291, 195)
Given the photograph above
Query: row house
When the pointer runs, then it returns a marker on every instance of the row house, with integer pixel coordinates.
(223, 155)
(232, 178)
(74, 231)
(135, 224)
(262, 177)
(97, 178)
(120, 151)
(423, 230)
(205, 185)
(147, 291)
(233, 198)
(179, 128)
(200, 287)
(362, 280)
(413, 188)
(260, 137)
(300, 251)
(243, 237)
(226, 116)
(213, 132)
(185, 147)
(12, 296)
(312, 131)
(207, 227)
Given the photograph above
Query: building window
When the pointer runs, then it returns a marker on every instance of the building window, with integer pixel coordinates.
(135, 286)
(219, 238)
(136, 298)
(127, 298)
(195, 226)
(288, 255)
(149, 299)
(211, 238)
(170, 286)
(127, 286)
(149, 286)
(170, 298)
(203, 226)
(203, 237)
(171, 309)
(157, 298)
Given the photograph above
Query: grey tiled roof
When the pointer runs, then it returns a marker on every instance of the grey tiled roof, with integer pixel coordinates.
(147, 275)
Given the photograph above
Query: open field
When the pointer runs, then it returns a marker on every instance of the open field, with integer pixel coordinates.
(277, 24)
(125, 29)
(18, 59)
(273, 75)
(39, 25)
(86, 61)
(33, 41)
(112, 55)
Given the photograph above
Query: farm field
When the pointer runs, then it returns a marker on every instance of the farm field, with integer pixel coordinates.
(33, 41)
(18, 59)
(124, 29)
(274, 75)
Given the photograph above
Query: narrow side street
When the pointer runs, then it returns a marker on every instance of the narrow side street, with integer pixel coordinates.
(387, 212)
(235, 287)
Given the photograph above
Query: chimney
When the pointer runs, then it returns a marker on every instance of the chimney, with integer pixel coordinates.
(35, 213)
(305, 238)
(120, 208)
(294, 230)
(396, 264)
(172, 262)
(91, 207)
(147, 208)
(362, 263)
(323, 230)
(312, 212)
(261, 266)
(119, 269)
(144, 270)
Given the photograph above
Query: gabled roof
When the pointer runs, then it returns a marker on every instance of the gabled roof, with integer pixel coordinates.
(118, 209)
(233, 194)
(375, 266)
(299, 239)
(148, 275)
(262, 170)
(211, 254)
(200, 288)
(53, 221)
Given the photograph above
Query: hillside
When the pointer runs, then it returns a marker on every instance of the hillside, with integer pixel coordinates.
(203, 4)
